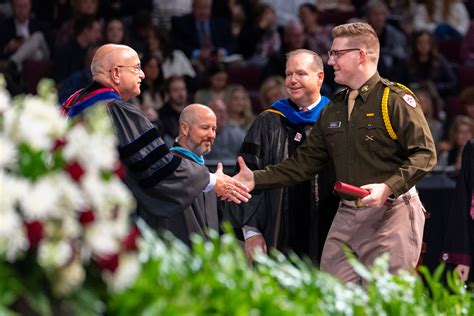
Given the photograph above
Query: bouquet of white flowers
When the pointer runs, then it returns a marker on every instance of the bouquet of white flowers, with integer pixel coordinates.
(62, 201)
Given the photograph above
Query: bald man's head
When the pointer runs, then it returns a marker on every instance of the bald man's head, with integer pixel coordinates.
(197, 128)
(118, 67)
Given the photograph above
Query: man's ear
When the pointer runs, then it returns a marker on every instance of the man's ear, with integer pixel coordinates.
(115, 75)
(184, 129)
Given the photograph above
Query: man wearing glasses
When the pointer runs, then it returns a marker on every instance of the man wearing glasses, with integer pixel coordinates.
(164, 184)
(375, 133)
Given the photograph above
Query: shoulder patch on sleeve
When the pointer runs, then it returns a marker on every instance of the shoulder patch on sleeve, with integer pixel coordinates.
(410, 100)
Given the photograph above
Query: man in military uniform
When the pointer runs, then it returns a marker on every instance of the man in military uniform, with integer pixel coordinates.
(378, 138)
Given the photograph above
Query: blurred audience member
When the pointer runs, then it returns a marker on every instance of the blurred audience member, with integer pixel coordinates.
(445, 18)
(429, 101)
(78, 79)
(262, 39)
(151, 98)
(114, 32)
(336, 12)
(393, 43)
(174, 62)
(71, 56)
(200, 36)
(139, 30)
(217, 78)
(401, 13)
(163, 11)
(81, 9)
(286, 11)
(293, 38)
(229, 138)
(427, 64)
(239, 107)
(460, 132)
(22, 37)
(176, 95)
(272, 90)
(318, 37)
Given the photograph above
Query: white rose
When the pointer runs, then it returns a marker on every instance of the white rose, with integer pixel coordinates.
(68, 279)
(101, 237)
(54, 254)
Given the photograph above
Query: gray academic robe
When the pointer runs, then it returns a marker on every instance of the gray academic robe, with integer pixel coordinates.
(168, 188)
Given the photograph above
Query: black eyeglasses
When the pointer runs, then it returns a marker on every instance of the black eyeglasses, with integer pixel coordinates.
(338, 53)
(136, 68)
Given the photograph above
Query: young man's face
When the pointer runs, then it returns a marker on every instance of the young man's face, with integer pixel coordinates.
(345, 60)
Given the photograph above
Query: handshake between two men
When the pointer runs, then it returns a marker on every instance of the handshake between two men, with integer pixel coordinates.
(235, 189)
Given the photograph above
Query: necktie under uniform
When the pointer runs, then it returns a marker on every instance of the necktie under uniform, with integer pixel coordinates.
(350, 102)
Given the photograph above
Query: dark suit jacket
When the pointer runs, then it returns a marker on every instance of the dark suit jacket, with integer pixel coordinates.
(9, 32)
(186, 38)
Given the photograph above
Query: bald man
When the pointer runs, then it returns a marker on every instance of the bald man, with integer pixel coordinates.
(164, 184)
(197, 132)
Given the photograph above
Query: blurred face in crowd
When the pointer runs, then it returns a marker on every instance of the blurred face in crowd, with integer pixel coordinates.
(178, 94)
(199, 131)
(237, 102)
(294, 36)
(220, 109)
(202, 9)
(93, 33)
(87, 7)
(469, 110)
(219, 80)
(307, 16)
(303, 80)
(425, 102)
(345, 60)
(21, 10)
(114, 32)
(424, 44)
(463, 134)
(376, 17)
(152, 69)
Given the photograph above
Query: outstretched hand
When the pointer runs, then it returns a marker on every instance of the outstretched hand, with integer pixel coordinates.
(230, 189)
(245, 175)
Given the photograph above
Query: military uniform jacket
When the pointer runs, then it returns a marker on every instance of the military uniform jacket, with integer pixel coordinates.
(362, 149)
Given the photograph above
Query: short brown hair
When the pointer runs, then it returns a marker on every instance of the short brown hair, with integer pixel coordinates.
(467, 96)
(317, 60)
(360, 34)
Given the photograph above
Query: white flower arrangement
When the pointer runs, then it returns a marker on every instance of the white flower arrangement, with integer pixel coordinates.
(61, 197)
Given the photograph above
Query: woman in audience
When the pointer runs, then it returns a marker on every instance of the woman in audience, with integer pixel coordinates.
(216, 83)
(426, 64)
(115, 32)
(272, 90)
(239, 107)
(151, 95)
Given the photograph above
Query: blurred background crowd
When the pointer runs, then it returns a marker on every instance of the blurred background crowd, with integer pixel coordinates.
(230, 55)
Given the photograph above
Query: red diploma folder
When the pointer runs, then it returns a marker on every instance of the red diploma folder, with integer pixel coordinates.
(354, 191)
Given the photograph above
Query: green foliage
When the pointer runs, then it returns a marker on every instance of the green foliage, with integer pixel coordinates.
(216, 279)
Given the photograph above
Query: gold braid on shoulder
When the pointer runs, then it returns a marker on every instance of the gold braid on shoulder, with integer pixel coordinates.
(385, 116)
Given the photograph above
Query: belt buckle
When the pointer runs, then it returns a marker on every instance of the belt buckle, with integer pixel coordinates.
(358, 203)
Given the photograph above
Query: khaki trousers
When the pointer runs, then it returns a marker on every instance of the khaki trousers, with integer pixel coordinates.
(369, 232)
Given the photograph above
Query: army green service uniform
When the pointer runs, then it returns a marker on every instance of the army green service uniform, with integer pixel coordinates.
(397, 151)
